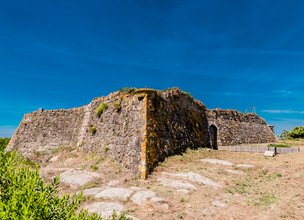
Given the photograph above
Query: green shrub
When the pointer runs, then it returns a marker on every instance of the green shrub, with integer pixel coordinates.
(92, 129)
(24, 195)
(297, 132)
(277, 145)
(100, 109)
(117, 105)
(3, 143)
(128, 90)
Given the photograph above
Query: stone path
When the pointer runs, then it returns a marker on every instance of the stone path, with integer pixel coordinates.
(235, 172)
(246, 166)
(136, 195)
(217, 161)
(92, 191)
(194, 177)
(78, 177)
(226, 163)
(182, 182)
(176, 184)
(104, 209)
(140, 197)
(219, 204)
(121, 194)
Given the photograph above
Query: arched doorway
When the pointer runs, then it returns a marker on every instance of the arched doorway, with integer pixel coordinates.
(213, 136)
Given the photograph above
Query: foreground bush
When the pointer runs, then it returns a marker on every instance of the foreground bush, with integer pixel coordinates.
(23, 194)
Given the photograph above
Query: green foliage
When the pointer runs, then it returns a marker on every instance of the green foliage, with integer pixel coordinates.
(278, 145)
(92, 129)
(3, 143)
(297, 132)
(100, 109)
(117, 105)
(128, 90)
(23, 194)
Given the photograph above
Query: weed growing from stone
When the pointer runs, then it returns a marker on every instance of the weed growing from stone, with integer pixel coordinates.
(128, 90)
(92, 129)
(94, 167)
(117, 105)
(101, 108)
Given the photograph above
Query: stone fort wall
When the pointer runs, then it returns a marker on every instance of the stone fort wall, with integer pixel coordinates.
(175, 122)
(116, 133)
(138, 128)
(45, 130)
(234, 127)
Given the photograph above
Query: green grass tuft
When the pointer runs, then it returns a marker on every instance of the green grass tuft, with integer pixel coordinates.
(117, 105)
(128, 90)
(101, 108)
(92, 129)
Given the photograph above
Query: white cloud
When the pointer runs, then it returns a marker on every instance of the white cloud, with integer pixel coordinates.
(284, 92)
(276, 111)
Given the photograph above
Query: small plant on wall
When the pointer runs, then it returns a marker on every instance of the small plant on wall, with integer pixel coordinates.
(92, 129)
(117, 105)
(101, 108)
(128, 90)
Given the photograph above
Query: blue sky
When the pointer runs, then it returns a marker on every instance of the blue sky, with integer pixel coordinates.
(228, 54)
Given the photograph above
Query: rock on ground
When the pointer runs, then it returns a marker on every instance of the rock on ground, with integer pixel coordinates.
(158, 202)
(196, 178)
(219, 204)
(246, 166)
(78, 177)
(104, 209)
(176, 184)
(140, 197)
(92, 191)
(217, 161)
(235, 172)
(114, 193)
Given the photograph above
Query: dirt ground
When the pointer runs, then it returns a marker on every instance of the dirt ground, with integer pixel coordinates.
(273, 189)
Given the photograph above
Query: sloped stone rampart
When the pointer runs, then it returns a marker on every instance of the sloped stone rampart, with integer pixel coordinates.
(175, 122)
(46, 130)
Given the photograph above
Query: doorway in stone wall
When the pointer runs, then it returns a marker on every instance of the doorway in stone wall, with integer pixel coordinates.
(213, 136)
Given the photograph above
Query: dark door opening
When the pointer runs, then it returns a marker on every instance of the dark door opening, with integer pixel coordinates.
(213, 136)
